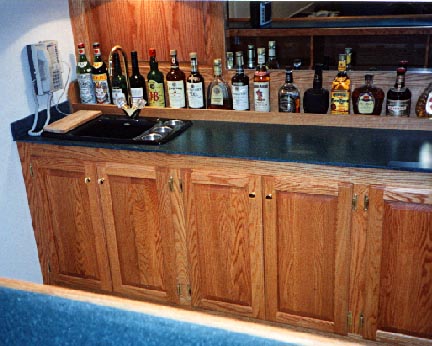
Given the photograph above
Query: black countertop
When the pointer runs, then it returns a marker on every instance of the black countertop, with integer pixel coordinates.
(337, 146)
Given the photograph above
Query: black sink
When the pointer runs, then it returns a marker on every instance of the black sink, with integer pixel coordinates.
(121, 129)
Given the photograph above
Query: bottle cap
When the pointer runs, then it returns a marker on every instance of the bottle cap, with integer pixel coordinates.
(217, 62)
(272, 44)
(173, 52)
(251, 46)
(192, 55)
(261, 51)
(96, 44)
(81, 45)
(152, 52)
(239, 53)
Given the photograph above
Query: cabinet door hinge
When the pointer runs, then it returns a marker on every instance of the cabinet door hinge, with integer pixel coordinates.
(366, 203)
(179, 290)
(189, 290)
(361, 322)
(181, 185)
(49, 267)
(349, 320)
(171, 183)
(31, 170)
(354, 202)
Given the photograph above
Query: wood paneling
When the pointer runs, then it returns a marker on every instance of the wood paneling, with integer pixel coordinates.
(139, 25)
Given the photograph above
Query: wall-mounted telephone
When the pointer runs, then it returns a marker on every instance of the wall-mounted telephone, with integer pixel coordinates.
(45, 67)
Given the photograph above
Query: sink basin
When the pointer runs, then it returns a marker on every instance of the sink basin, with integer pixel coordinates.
(121, 129)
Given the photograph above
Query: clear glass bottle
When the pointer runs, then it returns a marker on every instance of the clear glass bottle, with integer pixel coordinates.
(272, 62)
(289, 94)
(176, 83)
(367, 99)
(137, 83)
(399, 97)
(195, 85)
(240, 85)
(341, 89)
(316, 99)
(84, 76)
(155, 82)
(100, 77)
(118, 83)
(261, 84)
(219, 93)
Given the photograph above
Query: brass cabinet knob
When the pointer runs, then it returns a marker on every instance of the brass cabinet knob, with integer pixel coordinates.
(269, 196)
(101, 181)
(87, 180)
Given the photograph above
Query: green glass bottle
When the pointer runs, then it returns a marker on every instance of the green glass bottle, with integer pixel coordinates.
(120, 94)
(156, 86)
(100, 77)
(84, 76)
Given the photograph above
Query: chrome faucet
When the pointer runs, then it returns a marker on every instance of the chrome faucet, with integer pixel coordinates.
(125, 68)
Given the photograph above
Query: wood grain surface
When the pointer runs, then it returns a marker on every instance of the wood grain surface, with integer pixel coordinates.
(72, 121)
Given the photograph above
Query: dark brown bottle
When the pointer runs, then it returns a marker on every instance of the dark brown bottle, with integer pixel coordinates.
(399, 97)
(367, 99)
(176, 83)
(316, 99)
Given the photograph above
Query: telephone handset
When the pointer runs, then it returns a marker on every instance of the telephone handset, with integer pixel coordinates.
(45, 66)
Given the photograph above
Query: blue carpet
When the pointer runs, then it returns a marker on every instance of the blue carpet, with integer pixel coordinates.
(28, 318)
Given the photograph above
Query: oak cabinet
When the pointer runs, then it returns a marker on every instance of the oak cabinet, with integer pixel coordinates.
(224, 221)
(139, 229)
(65, 214)
(399, 286)
(307, 251)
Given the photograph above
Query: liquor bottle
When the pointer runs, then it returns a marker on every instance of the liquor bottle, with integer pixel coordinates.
(367, 99)
(176, 83)
(195, 85)
(100, 77)
(272, 62)
(137, 84)
(261, 84)
(316, 99)
(219, 93)
(341, 89)
(399, 97)
(229, 60)
(119, 87)
(251, 57)
(84, 76)
(348, 53)
(289, 94)
(260, 13)
(155, 82)
(423, 107)
(240, 85)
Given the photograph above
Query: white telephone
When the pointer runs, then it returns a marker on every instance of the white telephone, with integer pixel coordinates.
(45, 67)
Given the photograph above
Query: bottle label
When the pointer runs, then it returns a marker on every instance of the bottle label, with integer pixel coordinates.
(118, 96)
(287, 103)
(216, 96)
(156, 94)
(176, 94)
(82, 64)
(97, 64)
(86, 87)
(101, 86)
(366, 103)
(398, 108)
(137, 95)
(262, 96)
(428, 106)
(195, 95)
(340, 102)
(240, 94)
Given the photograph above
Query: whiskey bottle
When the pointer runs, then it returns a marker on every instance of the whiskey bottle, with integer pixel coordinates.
(367, 99)
(240, 85)
(251, 57)
(348, 53)
(100, 77)
(289, 94)
(261, 84)
(84, 76)
(195, 85)
(316, 99)
(399, 97)
(155, 82)
(219, 93)
(272, 62)
(137, 84)
(176, 83)
(423, 107)
(118, 83)
(341, 88)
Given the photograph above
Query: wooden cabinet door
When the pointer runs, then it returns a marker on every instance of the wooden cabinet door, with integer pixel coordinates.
(399, 281)
(307, 251)
(224, 220)
(67, 199)
(138, 223)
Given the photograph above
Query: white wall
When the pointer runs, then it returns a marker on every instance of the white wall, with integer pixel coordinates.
(23, 22)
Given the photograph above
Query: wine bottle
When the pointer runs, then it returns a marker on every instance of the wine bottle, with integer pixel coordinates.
(195, 85)
(119, 85)
(176, 83)
(100, 77)
(137, 83)
(84, 76)
(155, 82)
